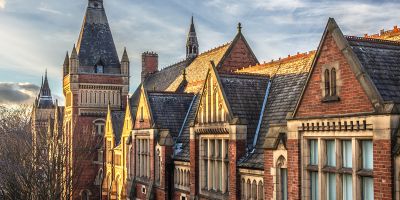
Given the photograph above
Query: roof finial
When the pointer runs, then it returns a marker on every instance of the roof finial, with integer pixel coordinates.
(184, 74)
(239, 27)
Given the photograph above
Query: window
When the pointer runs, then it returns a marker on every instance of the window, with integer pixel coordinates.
(158, 166)
(99, 69)
(214, 165)
(284, 184)
(331, 186)
(333, 82)
(314, 186)
(141, 114)
(99, 128)
(327, 83)
(330, 85)
(109, 152)
(142, 158)
(313, 152)
(330, 153)
(347, 187)
(367, 188)
(347, 154)
(85, 195)
(367, 165)
(367, 156)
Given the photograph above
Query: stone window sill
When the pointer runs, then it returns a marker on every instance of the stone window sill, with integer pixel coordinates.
(328, 99)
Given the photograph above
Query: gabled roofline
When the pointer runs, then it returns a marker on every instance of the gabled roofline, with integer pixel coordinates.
(355, 66)
(232, 44)
(146, 97)
(213, 69)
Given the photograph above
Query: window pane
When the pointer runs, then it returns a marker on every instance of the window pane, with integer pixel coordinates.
(331, 186)
(330, 153)
(347, 153)
(347, 187)
(367, 155)
(314, 152)
(368, 188)
(314, 186)
(284, 183)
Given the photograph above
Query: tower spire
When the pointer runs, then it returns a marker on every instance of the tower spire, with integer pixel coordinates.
(192, 45)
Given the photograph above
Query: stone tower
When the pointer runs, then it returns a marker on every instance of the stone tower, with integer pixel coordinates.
(93, 78)
(192, 45)
(42, 111)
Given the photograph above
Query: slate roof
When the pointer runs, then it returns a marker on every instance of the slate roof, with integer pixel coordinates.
(159, 81)
(169, 110)
(381, 61)
(117, 119)
(286, 86)
(196, 72)
(245, 94)
(96, 44)
(183, 153)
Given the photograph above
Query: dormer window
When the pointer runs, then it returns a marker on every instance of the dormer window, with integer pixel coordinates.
(329, 79)
(99, 69)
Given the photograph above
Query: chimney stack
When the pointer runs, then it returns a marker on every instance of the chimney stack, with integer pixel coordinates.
(149, 64)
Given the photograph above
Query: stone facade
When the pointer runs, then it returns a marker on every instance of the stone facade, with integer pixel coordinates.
(220, 125)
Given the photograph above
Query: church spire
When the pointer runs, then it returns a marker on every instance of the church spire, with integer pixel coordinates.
(44, 99)
(95, 40)
(192, 45)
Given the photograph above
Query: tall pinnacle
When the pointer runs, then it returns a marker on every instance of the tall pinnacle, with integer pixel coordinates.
(192, 45)
(95, 41)
(44, 99)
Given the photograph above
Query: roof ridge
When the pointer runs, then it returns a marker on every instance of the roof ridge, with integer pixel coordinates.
(170, 92)
(376, 40)
(172, 65)
(244, 75)
(281, 60)
(214, 49)
(384, 33)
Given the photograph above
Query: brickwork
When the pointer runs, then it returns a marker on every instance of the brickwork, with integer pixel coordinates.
(239, 57)
(294, 177)
(268, 178)
(194, 167)
(237, 149)
(383, 169)
(352, 97)
(149, 63)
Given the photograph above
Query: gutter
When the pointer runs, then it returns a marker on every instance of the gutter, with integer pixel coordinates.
(261, 116)
(184, 121)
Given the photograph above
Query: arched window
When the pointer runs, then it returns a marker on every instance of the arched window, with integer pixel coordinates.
(333, 82)
(254, 190)
(243, 185)
(85, 195)
(99, 125)
(248, 189)
(158, 166)
(281, 178)
(260, 195)
(327, 83)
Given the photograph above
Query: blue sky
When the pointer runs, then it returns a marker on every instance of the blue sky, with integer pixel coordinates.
(35, 34)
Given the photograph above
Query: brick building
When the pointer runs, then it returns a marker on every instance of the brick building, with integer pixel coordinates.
(220, 125)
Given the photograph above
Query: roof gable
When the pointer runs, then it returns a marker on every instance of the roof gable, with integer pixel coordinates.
(143, 116)
(355, 89)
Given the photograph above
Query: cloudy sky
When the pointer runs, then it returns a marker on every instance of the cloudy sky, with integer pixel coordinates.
(35, 34)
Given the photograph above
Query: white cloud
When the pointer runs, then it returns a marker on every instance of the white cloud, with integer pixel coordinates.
(2, 4)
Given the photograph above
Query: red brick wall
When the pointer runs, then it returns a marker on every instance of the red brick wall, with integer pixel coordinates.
(149, 63)
(99, 79)
(239, 57)
(236, 151)
(293, 164)
(178, 193)
(268, 178)
(194, 166)
(383, 169)
(352, 97)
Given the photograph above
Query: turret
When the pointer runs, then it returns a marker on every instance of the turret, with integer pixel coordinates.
(74, 61)
(125, 63)
(66, 65)
(192, 45)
